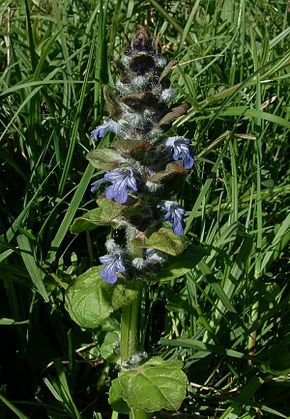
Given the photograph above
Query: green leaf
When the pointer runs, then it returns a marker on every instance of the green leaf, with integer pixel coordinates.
(111, 210)
(166, 241)
(90, 300)
(276, 360)
(205, 347)
(109, 345)
(13, 408)
(273, 412)
(4, 255)
(181, 264)
(115, 397)
(280, 240)
(105, 158)
(87, 221)
(36, 275)
(107, 214)
(72, 209)
(4, 321)
(157, 384)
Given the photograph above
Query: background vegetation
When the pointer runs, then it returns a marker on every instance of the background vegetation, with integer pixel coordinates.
(229, 318)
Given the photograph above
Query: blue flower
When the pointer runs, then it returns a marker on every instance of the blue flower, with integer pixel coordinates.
(122, 180)
(95, 185)
(181, 150)
(113, 264)
(107, 126)
(175, 214)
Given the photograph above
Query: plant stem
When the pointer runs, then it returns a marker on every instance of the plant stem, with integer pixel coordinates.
(130, 340)
(138, 414)
(129, 329)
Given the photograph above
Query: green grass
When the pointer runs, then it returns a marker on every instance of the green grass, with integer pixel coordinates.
(228, 319)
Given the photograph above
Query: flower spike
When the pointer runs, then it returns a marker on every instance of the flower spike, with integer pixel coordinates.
(142, 162)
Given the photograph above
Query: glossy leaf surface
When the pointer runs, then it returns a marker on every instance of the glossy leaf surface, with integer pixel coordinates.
(155, 385)
(90, 300)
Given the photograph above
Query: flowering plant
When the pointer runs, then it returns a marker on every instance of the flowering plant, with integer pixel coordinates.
(143, 167)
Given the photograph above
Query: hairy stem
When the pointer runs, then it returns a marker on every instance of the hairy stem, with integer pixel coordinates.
(130, 340)
(129, 330)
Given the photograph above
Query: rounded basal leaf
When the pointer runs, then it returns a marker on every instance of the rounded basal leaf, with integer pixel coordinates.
(90, 300)
(155, 385)
(166, 241)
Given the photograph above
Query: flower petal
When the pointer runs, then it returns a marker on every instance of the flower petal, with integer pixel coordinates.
(175, 214)
(181, 150)
(122, 180)
(107, 126)
(113, 264)
(95, 185)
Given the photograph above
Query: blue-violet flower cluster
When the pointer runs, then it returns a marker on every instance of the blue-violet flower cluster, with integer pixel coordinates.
(142, 165)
